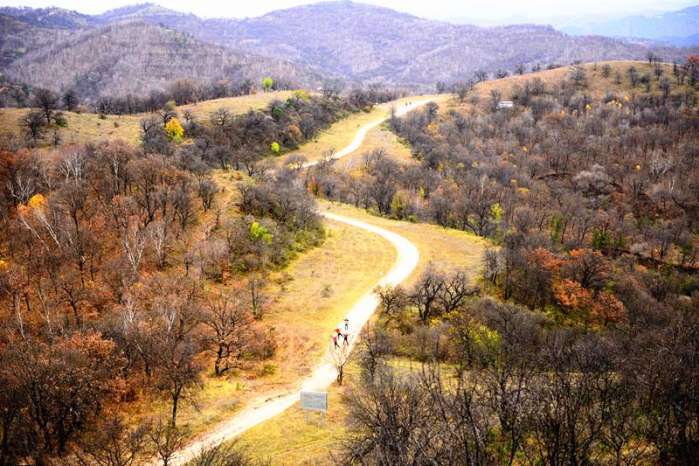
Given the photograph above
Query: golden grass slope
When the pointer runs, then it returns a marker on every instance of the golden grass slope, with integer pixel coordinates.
(343, 132)
(294, 438)
(597, 87)
(87, 127)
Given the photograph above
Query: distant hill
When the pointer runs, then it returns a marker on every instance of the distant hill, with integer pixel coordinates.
(51, 18)
(680, 28)
(688, 41)
(373, 44)
(17, 38)
(136, 57)
(137, 11)
(142, 47)
(153, 14)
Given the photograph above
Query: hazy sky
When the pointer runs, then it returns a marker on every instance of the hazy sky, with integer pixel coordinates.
(489, 10)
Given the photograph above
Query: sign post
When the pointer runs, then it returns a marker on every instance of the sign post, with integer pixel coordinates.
(314, 401)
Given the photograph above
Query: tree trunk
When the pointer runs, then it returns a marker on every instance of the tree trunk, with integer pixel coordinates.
(175, 401)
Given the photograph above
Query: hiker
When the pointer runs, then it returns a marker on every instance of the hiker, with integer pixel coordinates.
(346, 324)
(346, 338)
(334, 337)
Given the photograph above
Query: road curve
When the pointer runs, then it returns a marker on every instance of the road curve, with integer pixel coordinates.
(362, 132)
(325, 374)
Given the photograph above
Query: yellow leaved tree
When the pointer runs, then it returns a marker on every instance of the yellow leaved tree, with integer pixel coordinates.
(37, 201)
(35, 205)
(174, 130)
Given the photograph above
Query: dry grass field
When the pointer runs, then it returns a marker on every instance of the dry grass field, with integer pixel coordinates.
(442, 248)
(236, 105)
(307, 299)
(91, 127)
(342, 133)
(380, 137)
(598, 85)
(290, 439)
(81, 127)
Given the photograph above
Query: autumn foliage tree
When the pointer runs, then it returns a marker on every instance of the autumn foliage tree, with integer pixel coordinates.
(174, 130)
(57, 389)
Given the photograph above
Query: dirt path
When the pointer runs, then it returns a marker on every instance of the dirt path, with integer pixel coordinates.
(362, 132)
(325, 374)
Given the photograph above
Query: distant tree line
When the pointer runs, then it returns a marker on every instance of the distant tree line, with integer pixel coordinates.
(242, 141)
(461, 88)
(181, 92)
(184, 91)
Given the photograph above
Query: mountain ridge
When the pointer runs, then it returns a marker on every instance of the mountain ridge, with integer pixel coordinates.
(367, 43)
(52, 17)
(160, 57)
(679, 27)
(357, 42)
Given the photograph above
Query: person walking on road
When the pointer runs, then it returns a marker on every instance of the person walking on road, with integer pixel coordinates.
(334, 337)
(346, 324)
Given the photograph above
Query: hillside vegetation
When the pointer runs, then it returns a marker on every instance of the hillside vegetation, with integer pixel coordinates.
(375, 44)
(85, 127)
(136, 58)
(357, 42)
(18, 38)
(188, 207)
(161, 293)
(601, 78)
(587, 314)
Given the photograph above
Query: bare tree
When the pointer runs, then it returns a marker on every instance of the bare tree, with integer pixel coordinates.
(462, 89)
(374, 347)
(391, 423)
(34, 127)
(257, 297)
(228, 454)
(167, 440)
(207, 190)
(133, 241)
(112, 443)
(159, 241)
(70, 100)
(296, 162)
(392, 300)
(47, 101)
(339, 356)
(177, 312)
(460, 423)
(495, 97)
(455, 291)
(230, 322)
(426, 293)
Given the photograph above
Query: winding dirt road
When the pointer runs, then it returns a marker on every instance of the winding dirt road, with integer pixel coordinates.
(360, 313)
(325, 374)
(362, 132)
